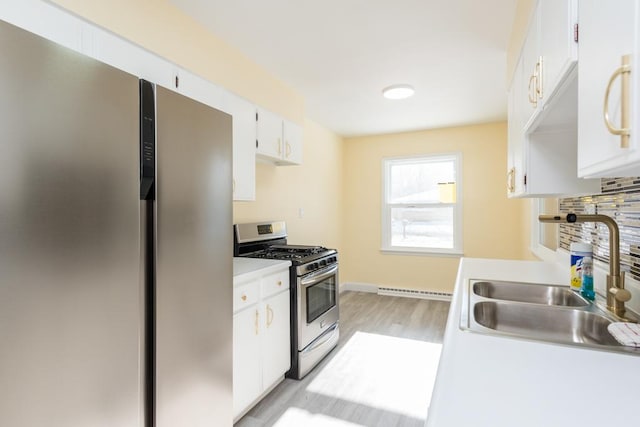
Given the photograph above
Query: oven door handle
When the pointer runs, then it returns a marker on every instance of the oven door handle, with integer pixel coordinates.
(319, 275)
(325, 337)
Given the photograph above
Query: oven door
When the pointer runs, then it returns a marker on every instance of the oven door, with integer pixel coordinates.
(317, 304)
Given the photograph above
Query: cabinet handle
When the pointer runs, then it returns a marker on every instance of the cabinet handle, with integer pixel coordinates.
(539, 82)
(533, 98)
(269, 315)
(623, 71)
(257, 323)
(243, 297)
(279, 282)
(288, 151)
(233, 189)
(279, 146)
(511, 175)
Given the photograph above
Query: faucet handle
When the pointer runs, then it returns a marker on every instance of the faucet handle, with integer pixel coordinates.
(619, 294)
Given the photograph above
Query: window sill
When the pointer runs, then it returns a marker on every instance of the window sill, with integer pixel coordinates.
(421, 252)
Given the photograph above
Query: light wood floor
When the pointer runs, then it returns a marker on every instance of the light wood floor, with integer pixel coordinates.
(380, 375)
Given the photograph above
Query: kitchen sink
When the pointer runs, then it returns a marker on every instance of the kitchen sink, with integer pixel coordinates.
(540, 312)
(541, 322)
(526, 292)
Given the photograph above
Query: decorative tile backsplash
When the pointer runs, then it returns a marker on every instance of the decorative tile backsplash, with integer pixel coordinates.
(620, 199)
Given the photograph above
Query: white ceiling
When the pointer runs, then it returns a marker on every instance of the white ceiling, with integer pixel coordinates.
(340, 54)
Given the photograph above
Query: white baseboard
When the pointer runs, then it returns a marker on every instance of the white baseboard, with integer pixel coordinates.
(359, 287)
(398, 292)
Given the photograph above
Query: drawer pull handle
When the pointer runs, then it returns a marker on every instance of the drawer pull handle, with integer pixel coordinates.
(279, 282)
(243, 297)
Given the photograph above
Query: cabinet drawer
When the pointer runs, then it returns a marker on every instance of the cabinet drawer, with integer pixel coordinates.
(274, 283)
(245, 295)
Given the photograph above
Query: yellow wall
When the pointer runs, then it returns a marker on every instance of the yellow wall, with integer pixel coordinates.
(338, 186)
(163, 29)
(492, 224)
(315, 186)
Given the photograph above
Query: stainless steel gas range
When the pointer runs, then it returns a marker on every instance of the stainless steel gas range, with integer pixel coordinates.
(314, 290)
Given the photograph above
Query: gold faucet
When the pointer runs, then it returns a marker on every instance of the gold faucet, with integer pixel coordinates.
(616, 293)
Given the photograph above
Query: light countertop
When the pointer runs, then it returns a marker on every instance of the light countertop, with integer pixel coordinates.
(247, 269)
(497, 381)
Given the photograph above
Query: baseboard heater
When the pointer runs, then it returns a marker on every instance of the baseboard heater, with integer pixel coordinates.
(411, 293)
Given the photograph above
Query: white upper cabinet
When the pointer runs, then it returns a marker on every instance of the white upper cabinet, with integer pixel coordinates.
(549, 54)
(278, 141)
(531, 71)
(558, 43)
(292, 142)
(542, 130)
(269, 135)
(608, 89)
(244, 146)
(515, 169)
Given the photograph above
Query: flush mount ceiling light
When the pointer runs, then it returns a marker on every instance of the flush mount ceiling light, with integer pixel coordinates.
(398, 92)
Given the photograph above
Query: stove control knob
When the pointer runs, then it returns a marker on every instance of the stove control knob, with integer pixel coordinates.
(311, 266)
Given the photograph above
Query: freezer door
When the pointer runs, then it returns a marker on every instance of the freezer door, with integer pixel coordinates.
(194, 282)
(69, 233)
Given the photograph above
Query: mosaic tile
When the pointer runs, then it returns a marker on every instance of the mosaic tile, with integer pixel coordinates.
(619, 199)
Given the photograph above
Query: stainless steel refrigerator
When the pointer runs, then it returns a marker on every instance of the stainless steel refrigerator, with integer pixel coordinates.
(115, 246)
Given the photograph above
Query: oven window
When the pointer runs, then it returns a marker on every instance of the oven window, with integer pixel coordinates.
(321, 297)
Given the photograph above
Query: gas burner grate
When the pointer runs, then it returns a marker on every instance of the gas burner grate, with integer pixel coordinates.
(297, 249)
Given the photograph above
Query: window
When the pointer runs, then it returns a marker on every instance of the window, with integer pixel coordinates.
(422, 208)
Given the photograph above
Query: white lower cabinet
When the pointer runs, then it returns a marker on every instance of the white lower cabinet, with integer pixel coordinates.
(276, 342)
(261, 338)
(247, 384)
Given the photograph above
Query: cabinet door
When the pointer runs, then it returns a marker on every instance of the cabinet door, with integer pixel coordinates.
(244, 146)
(531, 70)
(269, 135)
(247, 379)
(292, 143)
(557, 44)
(606, 35)
(195, 87)
(276, 341)
(515, 164)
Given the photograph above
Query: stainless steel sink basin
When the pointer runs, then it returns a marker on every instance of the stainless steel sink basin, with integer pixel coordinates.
(562, 325)
(542, 312)
(533, 293)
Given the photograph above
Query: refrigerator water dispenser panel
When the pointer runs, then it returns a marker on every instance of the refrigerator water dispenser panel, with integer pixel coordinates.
(147, 141)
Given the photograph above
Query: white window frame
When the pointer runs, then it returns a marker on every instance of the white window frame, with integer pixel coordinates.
(457, 211)
(535, 246)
